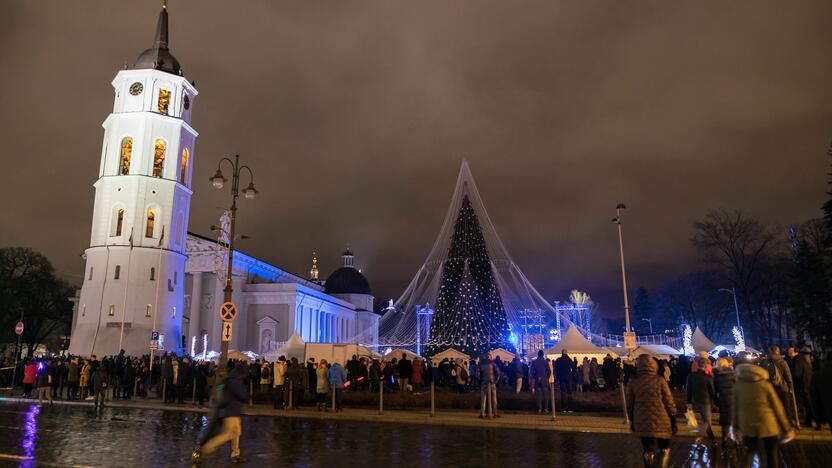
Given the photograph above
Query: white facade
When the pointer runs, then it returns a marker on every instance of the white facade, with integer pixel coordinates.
(135, 264)
(271, 304)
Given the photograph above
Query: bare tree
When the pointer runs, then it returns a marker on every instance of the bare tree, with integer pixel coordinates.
(746, 252)
(693, 299)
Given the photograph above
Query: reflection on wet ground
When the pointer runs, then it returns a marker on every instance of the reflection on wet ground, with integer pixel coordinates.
(74, 435)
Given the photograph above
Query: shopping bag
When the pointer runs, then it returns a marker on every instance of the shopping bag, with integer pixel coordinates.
(690, 417)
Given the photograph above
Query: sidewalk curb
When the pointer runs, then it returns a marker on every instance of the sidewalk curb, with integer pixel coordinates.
(565, 423)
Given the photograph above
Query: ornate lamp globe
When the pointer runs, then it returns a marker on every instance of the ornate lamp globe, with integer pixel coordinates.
(250, 192)
(218, 180)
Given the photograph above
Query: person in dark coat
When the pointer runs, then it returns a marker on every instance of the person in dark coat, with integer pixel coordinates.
(610, 372)
(100, 382)
(405, 369)
(724, 387)
(44, 381)
(200, 374)
(73, 378)
(825, 383)
(375, 375)
(167, 382)
(817, 391)
(128, 380)
(312, 373)
(701, 394)
(183, 380)
(294, 383)
(780, 376)
(235, 394)
(802, 367)
(651, 409)
(540, 381)
(563, 373)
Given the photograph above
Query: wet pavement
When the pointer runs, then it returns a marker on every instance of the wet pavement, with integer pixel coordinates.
(64, 435)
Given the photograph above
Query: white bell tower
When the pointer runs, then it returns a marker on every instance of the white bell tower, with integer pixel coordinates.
(135, 265)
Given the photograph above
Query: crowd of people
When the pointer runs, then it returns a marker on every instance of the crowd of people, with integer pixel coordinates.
(763, 398)
(760, 401)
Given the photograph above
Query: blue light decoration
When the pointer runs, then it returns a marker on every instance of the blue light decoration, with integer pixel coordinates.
(554, 334)
(512, 338)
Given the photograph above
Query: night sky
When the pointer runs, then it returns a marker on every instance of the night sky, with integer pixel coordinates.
(355, 117)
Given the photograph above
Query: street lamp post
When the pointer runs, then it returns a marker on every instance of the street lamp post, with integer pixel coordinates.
(733, 292)
(218, 180)
(649, 322)
(617, 221)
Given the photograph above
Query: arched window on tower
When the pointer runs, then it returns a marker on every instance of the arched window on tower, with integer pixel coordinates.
(151, 222)
(164, 101)
(158, 157)
(119, 221)
(126, 154)
(183, 173)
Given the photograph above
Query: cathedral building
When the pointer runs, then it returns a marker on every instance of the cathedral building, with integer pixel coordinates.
(147, 280)
(272, 304)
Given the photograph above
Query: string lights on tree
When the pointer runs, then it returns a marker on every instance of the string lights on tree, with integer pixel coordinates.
(469, 312)
(687, 335)
(739, 339)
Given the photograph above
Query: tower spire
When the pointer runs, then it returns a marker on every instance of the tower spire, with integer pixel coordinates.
(313, 273)
(159, 57)
(161, 38)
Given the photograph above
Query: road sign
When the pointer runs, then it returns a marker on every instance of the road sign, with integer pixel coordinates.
(629, 340)
(226, 331)
(154, 336)
(228, 311)
(154, 344)
(18, 329)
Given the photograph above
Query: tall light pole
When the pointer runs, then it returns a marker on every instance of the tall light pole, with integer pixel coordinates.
(736, 308)
(218, 180)
(617, 221)
(649, 322)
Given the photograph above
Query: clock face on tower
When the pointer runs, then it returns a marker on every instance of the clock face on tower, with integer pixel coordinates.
(136, 88)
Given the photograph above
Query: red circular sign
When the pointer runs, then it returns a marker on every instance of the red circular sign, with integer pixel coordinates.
(228, 311)
(18, 329)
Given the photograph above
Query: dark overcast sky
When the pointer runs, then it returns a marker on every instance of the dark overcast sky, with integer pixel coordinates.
(355, 117)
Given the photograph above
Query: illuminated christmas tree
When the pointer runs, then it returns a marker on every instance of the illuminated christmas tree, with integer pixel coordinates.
(469, 313)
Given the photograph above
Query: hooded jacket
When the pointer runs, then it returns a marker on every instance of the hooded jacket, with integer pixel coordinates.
(724, 383)
(649, 401)
(756, 409)
(337, 376)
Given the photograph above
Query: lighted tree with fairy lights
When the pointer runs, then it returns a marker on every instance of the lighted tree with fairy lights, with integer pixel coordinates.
(469, 314)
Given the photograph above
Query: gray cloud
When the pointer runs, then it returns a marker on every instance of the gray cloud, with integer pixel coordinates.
(355, 116)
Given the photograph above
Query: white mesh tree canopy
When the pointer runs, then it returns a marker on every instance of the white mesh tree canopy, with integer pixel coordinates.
(518, 298)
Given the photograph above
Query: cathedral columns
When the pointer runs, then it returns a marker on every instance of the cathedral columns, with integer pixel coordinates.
(196, 308)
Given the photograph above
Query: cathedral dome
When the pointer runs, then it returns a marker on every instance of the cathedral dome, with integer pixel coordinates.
(347, 280)
(158, 59)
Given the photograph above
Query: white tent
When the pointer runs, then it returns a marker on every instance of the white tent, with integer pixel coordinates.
(699, 342)
(295, 347)
(576, 346)
(451, 354)
(505, 355)
(398, 353)
(658, 350)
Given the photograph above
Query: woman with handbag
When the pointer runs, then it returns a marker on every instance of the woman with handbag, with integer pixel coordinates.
(651, 409)
(758, 414)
